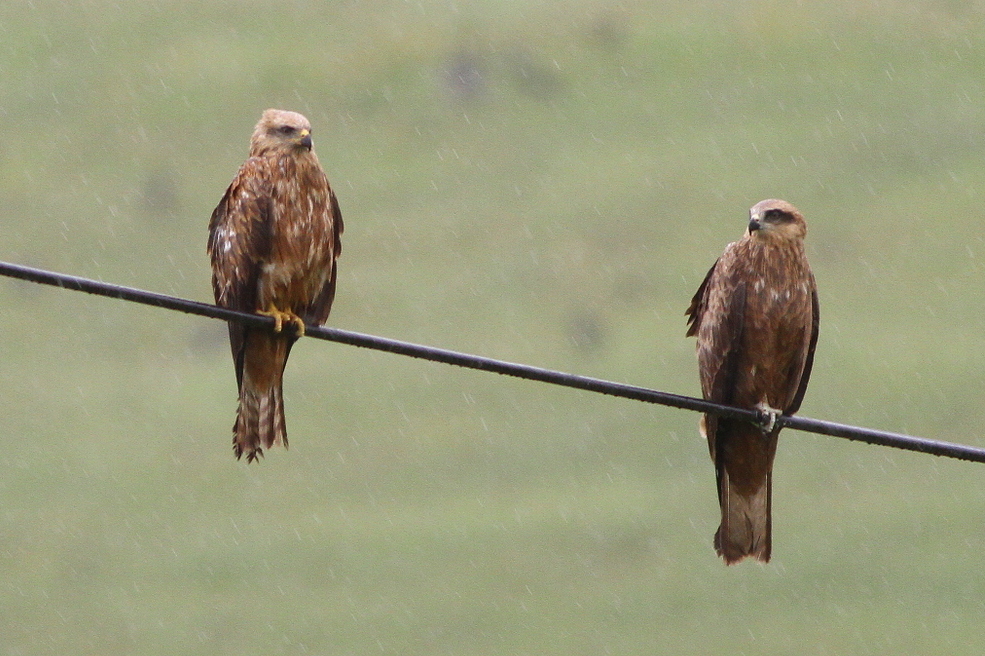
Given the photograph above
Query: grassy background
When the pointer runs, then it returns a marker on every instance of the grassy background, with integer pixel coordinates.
(541, 182)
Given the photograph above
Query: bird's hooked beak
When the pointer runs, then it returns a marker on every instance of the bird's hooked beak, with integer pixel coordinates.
(754, 224)
(305, 139)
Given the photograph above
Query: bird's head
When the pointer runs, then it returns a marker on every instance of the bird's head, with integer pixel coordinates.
(280, 131)
(771, 219)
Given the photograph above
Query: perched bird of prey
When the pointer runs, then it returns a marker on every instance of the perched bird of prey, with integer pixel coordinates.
(274, 239)
(756, 319)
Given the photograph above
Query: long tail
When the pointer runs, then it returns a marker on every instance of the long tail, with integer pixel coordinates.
(743, 457)
(746, 528)
(260, 417)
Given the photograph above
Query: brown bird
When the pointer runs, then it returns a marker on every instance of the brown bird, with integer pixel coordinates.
(756, 319)
(274, 239)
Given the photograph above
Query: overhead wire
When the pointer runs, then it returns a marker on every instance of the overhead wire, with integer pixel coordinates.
(526, 372)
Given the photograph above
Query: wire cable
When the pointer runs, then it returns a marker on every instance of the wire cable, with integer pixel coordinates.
(527, 372)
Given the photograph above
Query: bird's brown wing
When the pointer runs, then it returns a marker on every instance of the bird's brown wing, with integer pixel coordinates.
(809, 357)
(720, 367)
(719, 308)
(724, 357)
(319, 308)
(239, 242)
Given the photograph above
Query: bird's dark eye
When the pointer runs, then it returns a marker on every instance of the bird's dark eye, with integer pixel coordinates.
(285, 129)
(776, 216)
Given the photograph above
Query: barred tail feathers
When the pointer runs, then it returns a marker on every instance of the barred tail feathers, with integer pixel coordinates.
(260, 418)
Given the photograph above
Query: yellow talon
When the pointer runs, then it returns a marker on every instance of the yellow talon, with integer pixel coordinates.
(280, 317)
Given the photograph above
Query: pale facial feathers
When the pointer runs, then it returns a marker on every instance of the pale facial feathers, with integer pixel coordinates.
(280, 130)
(773, 218)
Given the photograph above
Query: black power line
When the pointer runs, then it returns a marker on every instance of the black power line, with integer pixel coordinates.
(881, 438)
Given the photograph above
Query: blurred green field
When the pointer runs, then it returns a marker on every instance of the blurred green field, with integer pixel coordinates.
(539, 182)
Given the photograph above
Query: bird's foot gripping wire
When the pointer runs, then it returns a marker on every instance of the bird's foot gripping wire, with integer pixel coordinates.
(768, 418)
(280, 318)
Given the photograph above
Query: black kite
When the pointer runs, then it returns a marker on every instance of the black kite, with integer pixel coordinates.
(274, 239)
(756, 320)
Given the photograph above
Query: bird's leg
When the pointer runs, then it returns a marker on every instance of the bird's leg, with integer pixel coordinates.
(767, 417)
(280, 317)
